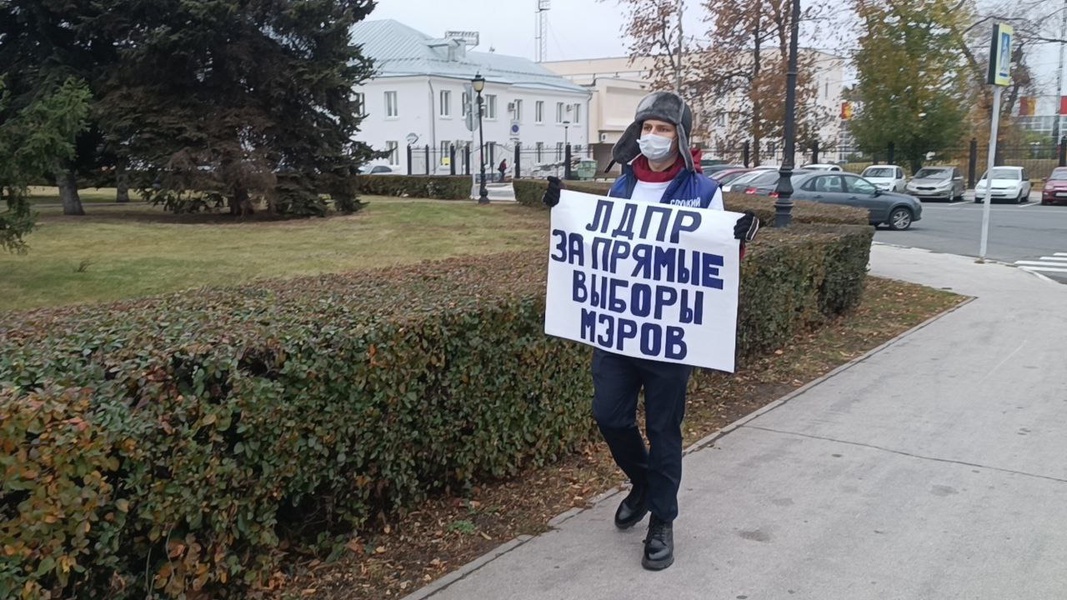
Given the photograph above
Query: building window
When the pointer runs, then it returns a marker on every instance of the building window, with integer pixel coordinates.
(518, 111)
(391, 107)
(466, 103)
(446, 103)
(490, 106)
(394, 152)
(361, 103)
(539, 112)
(559, 112)
(577, 113)
(559, 150)
(540, 149)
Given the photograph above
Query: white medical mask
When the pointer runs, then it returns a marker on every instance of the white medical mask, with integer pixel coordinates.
(655, 147)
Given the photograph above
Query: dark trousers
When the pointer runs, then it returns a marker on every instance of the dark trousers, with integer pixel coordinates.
(616, 382)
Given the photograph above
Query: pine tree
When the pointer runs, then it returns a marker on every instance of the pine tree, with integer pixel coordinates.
(33, 141)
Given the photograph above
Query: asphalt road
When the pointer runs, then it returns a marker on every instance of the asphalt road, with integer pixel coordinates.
(1030, 236)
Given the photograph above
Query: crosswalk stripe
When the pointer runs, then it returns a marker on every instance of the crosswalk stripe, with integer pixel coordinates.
(1044, 269)
(1041, 263)
(1060, 254)
(1054, 258)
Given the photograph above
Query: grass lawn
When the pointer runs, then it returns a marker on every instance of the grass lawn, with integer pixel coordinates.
(50, 195)
(124, 251)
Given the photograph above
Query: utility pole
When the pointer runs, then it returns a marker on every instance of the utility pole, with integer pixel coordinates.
(1057, 129)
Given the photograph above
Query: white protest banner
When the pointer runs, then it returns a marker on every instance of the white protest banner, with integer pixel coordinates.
(646, 280)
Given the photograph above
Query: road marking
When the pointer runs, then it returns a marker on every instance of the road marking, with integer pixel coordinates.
(1055, 263)
(1043, 269)
(1028, 204)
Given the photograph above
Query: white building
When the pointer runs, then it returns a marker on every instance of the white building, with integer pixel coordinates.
(418, 97)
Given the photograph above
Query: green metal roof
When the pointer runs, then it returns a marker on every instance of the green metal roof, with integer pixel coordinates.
(400, 51)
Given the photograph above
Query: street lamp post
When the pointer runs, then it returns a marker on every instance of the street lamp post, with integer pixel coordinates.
(783, 204)
(566, 151)
(479, 84)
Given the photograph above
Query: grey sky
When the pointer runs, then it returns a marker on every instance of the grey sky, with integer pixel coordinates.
(576, 28)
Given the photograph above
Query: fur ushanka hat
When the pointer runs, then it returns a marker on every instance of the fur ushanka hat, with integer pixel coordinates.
(662, 106)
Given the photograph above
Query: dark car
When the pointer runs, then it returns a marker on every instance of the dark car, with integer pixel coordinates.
(1055, 190)
(936, 183)
(898, 211)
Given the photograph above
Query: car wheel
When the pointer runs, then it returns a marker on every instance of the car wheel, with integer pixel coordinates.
(899, 219)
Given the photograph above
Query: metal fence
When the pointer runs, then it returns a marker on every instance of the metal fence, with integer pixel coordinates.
(536, 161)
(1039, 159)
(587, 162)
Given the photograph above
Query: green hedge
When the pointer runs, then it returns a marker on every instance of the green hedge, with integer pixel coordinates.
(528, 192)
(443, 187)
(160, 446)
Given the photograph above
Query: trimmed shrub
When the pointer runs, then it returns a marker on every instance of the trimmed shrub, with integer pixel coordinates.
(444, 187)
(157, 447)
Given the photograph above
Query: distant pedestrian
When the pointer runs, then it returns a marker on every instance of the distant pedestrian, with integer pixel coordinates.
(503, 168)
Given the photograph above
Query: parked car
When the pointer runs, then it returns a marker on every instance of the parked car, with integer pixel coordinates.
(823, 167)
(937, 183)
(898, 211)
(727, 176)
(713, 166)
(888, 178)
(1008, 183)
(739, 184)
(377, 170)
(1055, 191)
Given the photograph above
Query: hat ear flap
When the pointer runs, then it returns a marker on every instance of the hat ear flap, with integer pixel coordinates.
(683, 148)
(627, 149)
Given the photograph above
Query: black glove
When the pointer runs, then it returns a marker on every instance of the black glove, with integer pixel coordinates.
(551, 197)
(746, 227)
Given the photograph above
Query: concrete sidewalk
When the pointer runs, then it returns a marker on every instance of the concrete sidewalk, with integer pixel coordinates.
(934, 468)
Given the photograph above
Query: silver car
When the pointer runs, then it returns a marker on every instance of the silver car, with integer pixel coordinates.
(898, 211)
(937, 183)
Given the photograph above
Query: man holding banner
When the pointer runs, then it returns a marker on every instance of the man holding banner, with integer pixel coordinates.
(648, 276)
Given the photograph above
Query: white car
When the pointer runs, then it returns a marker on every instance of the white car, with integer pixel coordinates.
(822, 167)
(379, 169)
(888, 178)
(1008, 183)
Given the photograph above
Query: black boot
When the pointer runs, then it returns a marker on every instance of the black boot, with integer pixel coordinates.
(659, 545)
(633, 508)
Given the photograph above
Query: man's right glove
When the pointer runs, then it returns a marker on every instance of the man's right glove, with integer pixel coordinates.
(551, 197)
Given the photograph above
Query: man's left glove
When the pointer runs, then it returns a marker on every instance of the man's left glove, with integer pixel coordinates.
(746, 227)
(551, 197)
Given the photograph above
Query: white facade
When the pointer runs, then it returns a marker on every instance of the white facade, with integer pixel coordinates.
(418, 96)
(431, 108)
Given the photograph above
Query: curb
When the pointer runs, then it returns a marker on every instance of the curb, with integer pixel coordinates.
(555, 522)
(467, 569)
